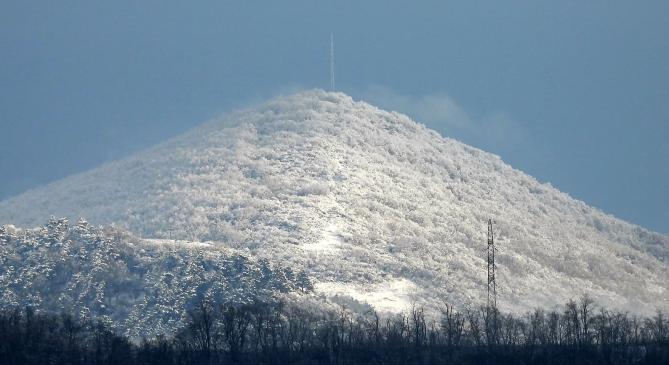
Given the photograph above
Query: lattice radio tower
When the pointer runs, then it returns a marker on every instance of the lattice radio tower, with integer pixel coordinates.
(332, 65)
(492, 286)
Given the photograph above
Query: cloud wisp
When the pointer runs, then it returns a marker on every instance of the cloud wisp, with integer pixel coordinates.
(493, 131)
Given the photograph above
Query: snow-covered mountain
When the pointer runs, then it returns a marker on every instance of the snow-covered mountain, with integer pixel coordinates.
(371, 204)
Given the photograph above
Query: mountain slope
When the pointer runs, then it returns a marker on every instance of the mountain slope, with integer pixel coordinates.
(372, 204)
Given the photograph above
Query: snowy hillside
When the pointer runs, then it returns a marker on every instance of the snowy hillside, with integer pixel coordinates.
(371, 204)
(143, 287)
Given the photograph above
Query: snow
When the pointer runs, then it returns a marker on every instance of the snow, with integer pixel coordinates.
(179, 243)
(354, 194)
(330, 242)
(392, 296)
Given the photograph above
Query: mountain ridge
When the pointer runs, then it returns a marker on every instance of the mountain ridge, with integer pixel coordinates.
(139, 287)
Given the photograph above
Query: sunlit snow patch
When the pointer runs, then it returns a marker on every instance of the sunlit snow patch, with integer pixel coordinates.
(392, 296)
(330, 241)
(182, 243)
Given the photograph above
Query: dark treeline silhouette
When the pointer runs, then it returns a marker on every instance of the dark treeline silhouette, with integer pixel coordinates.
(276, 333)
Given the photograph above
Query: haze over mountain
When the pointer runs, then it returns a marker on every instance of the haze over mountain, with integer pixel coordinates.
(371, 204)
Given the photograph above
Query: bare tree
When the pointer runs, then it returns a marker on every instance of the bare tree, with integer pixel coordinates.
(201, 326)
(452, 325)
(585, 310)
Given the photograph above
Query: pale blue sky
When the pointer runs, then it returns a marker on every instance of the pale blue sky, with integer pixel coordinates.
(572, 92)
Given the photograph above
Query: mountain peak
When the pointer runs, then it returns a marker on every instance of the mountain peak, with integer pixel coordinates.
(309, 108)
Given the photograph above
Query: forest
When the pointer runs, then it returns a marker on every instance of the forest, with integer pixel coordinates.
(579, 332)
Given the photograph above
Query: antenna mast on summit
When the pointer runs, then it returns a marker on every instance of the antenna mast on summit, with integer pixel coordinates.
(332, 69)
(492, 286)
